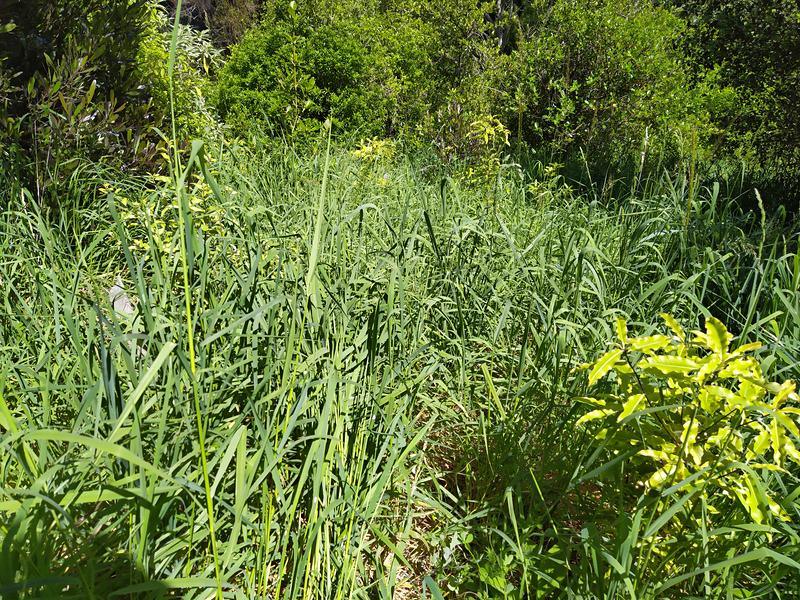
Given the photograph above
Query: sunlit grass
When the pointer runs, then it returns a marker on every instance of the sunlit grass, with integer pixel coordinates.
(380, 379)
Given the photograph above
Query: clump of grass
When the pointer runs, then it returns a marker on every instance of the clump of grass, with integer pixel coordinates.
(358, 385)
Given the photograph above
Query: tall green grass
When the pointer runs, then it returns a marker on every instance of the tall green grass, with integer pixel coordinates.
(356, 384)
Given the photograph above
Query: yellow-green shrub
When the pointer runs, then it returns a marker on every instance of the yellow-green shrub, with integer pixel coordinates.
(699, 414)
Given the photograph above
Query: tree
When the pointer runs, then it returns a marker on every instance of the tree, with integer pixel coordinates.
(755, 44)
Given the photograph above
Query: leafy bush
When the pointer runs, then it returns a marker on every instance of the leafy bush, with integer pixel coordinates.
(709, 440)
(609, 77)
(755, 46)
(367, 75)
(713, 424)
(152, 218)
(88, 81)
(73, 66)
(195, 61)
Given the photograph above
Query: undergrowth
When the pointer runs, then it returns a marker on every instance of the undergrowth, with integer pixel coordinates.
(368, 390)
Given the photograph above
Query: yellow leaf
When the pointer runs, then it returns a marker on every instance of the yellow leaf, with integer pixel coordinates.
(634, 403)
(650, 343)
(787, 422)
(718, 338)
(751, 391)
(767, 466)
(791, 451)
(622, 330)
(761, 443)
(787, 388)
(658, 478)
(604, 365)
(747, 496)
(746, 367)
(674, 326)
(590, 400)
(701, 339)
(670, 364)
(594, 415)
(746, 348)
(778, 438)
(711, 396)
(696, 454)
(710, 364)
(659, 455)
(776, 510)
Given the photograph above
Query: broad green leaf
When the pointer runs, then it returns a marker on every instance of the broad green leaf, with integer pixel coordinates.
(718, 338)
(90, 93)
(604, 365)
(670, 364)
(622, 330)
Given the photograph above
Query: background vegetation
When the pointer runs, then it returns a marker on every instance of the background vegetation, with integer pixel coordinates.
(399, 299)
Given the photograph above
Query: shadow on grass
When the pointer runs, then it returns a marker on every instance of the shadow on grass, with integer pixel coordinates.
(46, 554)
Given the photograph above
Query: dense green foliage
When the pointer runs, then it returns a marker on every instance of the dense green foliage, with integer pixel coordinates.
(368, 300)
(368, 78)
(757, 47)
(607, 77)
(378, 365)
(88, 81)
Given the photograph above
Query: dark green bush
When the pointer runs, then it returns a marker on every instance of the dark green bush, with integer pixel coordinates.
(369, 75)
(71, 65)
(755, 46)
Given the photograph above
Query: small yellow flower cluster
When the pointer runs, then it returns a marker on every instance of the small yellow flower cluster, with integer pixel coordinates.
(376, 150)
